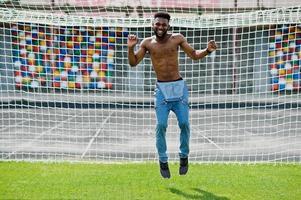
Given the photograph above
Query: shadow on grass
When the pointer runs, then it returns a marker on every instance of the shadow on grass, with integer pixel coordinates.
(202, 194)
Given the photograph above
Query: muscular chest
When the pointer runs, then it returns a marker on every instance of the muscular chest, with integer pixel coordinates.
(163, 50)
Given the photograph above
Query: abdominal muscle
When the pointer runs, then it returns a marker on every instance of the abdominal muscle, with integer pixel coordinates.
(166, 70)
(167, 73)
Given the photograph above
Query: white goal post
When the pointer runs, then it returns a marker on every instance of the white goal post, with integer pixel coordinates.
(67, 92)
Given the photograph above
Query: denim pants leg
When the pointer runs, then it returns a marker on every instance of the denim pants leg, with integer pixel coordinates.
(162, 112)
(181, 109)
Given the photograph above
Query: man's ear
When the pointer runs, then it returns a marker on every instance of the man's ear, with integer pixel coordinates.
(168, 27)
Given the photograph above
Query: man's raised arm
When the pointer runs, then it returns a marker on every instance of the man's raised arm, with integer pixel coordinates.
(197, 54)
(135, 58)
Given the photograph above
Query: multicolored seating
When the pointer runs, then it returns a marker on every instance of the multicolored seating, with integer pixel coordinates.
(285, 58)
(47, 57)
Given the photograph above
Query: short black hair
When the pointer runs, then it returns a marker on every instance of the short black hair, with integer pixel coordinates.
(162, 15)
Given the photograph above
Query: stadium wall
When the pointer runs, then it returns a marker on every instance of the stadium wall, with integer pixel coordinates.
(239, 66)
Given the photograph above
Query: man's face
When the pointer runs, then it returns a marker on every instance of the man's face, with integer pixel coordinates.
(160, 27)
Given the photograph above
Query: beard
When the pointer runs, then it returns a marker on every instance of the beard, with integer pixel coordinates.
(160, 36)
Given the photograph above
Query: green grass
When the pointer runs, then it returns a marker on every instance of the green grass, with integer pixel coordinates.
(22, 180)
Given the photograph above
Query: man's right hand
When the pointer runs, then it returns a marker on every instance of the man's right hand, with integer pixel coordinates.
(132, 40)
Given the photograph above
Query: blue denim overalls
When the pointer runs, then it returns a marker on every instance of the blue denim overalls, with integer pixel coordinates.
(172, 96)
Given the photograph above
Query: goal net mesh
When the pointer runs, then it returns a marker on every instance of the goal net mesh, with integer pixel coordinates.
(67, 91)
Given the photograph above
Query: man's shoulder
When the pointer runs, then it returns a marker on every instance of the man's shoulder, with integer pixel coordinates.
(148, 39)
(177, 35)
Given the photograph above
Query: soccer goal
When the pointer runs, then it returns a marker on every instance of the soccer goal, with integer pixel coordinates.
(67, 92)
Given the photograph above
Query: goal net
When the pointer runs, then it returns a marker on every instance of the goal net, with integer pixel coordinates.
(67, 91)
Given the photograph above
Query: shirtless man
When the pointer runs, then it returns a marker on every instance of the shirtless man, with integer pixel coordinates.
(171, 93)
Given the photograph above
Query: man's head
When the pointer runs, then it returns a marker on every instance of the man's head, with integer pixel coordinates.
(161, 24)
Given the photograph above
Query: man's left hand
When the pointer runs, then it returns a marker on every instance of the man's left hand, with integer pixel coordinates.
(211, 46)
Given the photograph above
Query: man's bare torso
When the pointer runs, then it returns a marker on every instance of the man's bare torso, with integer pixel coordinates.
(164, 56)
